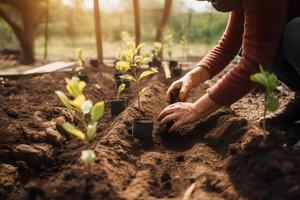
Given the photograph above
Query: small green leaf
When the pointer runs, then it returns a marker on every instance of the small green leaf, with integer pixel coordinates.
(73, 130)
(272, 82)
(73, 86)
(86, 107)
(97, 111)
(122, 66)
(81, 85)
(121, 89)
(88, 157)
(91, 130)
(140, 46)
(147, 73)
(127, 77)
(78, 101)
(64, 99)
(147, 57)
(142, 92)
(259, 78)
(272, 103)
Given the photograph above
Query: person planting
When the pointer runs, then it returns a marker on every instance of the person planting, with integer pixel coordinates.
(268, 32)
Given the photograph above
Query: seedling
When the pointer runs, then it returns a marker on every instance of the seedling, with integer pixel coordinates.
(88, 157)
(168, 42)
(157, 50)
(120, 90)
(269, 82)
(87, 113)
(132, 60)
(80, 60)
(184, 42)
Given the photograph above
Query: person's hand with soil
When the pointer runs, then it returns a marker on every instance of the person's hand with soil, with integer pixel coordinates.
(189, 81)
(183, 113)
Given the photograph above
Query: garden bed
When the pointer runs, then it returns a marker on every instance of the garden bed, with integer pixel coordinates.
(217, 158)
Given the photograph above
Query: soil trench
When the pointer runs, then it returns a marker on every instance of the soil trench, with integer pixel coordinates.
(218, 157)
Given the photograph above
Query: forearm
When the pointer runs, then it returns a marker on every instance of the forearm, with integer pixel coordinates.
(205, 106)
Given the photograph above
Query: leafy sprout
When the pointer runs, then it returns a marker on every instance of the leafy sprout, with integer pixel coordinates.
(184, 42)
(269, 82)
(132, 60)
(87, 112)
(80, 60)
(121, 88)
(88, 156)
(157, 49)
(168, 42)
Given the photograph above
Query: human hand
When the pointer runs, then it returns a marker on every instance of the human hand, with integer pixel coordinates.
(187, 83)
(183, 113)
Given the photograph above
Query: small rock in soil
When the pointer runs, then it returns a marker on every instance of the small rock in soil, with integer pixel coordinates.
(34, 155)
(8, 176)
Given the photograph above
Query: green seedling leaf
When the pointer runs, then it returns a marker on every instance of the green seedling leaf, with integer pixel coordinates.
(73, 130)
(122, 66)
(272, 82)
(78, 101)
(142, 92)
(91, 131)
(73, 86)
(127, 77)
(120, 90)
(81, 85)
(97, 111)
(140, 46)
(86, 106)
(147, 57)
(260, 78)
(64, 99)
(80, 59)
(88, 157)
(271, 103)
(147, 73)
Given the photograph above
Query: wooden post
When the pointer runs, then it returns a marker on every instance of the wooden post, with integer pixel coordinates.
(163, 22)
(137, 21)
(98, 31)
(46, 29)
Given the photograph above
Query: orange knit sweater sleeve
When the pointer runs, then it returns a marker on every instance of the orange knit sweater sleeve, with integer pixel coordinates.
(258, 26)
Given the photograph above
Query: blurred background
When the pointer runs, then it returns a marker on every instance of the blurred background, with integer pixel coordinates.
(63, 26)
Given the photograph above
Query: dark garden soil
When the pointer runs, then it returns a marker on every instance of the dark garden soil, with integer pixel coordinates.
(219, 157)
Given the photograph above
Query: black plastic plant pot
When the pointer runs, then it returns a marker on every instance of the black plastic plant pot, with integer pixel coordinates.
(117, 106)
(142, 129)
(117, 74)
(173, 63)
(94, 62)
(177, 71)
(155, 63)
(84, 77)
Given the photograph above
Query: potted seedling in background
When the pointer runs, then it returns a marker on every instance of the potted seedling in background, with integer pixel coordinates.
(120, 70)
(184, 47)
(132, 60)
(173, 64)
(156, 61)
(118, 105)
(80, 67)
(87, 113)
(269, 82)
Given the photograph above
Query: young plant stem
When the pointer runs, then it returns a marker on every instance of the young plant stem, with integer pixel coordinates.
(138, 89)
(264, 119)
(82, 120)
